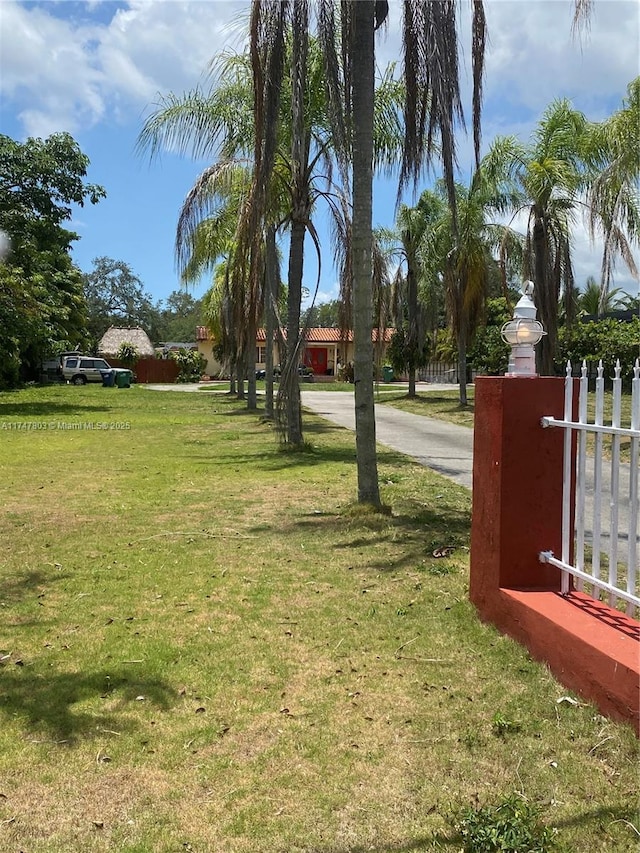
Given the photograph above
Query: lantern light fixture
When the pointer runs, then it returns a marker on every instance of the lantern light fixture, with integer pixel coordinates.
(522, 333)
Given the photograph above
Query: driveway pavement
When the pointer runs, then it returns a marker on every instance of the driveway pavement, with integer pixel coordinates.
(444, 447)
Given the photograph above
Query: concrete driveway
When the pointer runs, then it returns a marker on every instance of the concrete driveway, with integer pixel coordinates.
(444, 447)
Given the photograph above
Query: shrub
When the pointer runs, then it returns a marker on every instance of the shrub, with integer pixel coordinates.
(607, 339)
(488, 353)
(513, 826)
(404, 357)
(191, 363)
(128, 354)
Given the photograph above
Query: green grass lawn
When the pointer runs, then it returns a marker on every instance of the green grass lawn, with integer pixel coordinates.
(205, 646)
(433, 403)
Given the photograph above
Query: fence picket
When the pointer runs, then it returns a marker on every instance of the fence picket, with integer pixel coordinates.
(632, 562)
(613, 586)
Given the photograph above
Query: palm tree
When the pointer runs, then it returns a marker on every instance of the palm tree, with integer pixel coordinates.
(412, 247)
(216, 124)
(221, 124)
(613, 191)
(467, 254)
(590, 300)
(544, 179)
(432, 106)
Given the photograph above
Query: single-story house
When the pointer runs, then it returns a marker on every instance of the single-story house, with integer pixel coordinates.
(325, 349)
(114, 337)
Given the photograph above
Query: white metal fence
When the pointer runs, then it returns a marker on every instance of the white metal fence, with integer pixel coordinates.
(606, 494)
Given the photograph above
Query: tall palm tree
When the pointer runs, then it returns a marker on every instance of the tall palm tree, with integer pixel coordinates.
(432, 107)
(221, 124)
(217, 124)
(544, 179)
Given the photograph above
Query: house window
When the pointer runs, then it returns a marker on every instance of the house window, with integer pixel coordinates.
(261, 355)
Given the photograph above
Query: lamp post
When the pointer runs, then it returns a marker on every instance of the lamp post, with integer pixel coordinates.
(522, 333)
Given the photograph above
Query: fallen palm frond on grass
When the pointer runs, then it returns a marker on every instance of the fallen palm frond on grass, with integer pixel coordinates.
(204, 647)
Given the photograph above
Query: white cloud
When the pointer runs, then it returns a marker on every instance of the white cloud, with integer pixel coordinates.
(61, 73)
(533, 57)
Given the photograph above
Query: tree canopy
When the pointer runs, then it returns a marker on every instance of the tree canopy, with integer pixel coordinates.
(115, 296)
(41, 300)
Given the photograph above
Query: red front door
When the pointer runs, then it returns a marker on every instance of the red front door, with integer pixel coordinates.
(316, 359)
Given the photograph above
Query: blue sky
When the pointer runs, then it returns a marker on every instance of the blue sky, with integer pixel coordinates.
(94, 69)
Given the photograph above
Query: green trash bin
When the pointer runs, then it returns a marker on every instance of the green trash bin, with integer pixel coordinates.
(387, 373)
(123, 378)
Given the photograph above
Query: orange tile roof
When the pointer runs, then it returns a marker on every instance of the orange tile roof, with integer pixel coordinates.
(318, 335)
(321, 335)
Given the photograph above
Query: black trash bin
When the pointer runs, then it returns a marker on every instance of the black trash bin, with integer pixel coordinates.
(108, 378)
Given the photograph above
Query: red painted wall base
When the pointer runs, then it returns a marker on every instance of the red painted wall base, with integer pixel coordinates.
(589, 647)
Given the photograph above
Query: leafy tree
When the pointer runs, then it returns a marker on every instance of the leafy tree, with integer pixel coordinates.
(405, 355)
(115, 296)
(607, 339)
(489, 354)
(326, 315)
(41, 301)
(180, 316)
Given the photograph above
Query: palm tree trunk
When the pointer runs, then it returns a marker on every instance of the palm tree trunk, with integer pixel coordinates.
(412, 306)
(289, 376)
(545, 299)
(271, 273)
(462, 356)
(363, 88)
(252, 395)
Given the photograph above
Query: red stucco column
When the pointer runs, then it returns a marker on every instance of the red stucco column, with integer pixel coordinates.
(517, 512)
(517, 486)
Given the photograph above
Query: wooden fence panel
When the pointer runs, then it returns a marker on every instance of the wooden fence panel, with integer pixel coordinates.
(151, 369)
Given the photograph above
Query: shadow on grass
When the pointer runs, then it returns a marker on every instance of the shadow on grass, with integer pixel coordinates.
(16, 588)
(274, 459)
(447, 403)
(46, 702)
(431, 842)
(46, 409)
(416, 534)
